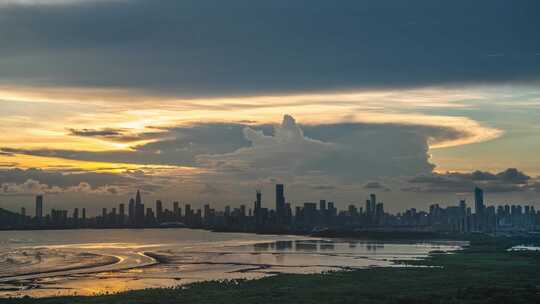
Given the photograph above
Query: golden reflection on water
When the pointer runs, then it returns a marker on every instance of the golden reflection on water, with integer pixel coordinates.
(105, 246)
(186, 256)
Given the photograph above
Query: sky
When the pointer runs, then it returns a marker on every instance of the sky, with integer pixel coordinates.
(206, 101)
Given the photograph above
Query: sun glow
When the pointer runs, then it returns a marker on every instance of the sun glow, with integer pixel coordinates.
(139, 113)
(61, 164)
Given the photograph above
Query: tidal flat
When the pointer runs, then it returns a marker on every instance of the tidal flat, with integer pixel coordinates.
(485, 271)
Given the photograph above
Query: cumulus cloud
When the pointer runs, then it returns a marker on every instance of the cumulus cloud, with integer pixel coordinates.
(60, 179)
(367, 151)
(342, 151)
(33, 187)
(513, 176)
(14, 182)
(285, 152)
(28, 187)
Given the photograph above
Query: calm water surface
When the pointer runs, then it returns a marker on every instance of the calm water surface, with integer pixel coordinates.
(86, 262)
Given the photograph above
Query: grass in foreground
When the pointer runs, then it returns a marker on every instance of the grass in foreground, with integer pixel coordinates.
(483, 273)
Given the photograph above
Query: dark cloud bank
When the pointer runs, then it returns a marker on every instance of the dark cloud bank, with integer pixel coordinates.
(510, 180)
(203, 47)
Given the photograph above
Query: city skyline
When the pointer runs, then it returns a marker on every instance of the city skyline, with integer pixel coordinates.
(278, 201)
(395, 200)
(227, 97)
(286, 217)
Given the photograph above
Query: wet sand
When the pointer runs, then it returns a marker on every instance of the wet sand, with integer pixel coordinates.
(165, 258)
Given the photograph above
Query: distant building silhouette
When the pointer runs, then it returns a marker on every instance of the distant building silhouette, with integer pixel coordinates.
(159, 210)
(139, 209)
(280, 203)
(176, 210)
(39, 206)
(479, 201)
(306, 218)
(480, 216)
(122, 214)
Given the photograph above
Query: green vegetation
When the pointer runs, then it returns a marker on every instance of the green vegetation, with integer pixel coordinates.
(485, 272)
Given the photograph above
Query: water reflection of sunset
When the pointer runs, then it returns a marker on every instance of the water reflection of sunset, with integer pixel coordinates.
(172, 257)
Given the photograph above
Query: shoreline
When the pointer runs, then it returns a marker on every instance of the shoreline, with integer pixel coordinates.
(47, 273)
(481, 248)
(160, 259)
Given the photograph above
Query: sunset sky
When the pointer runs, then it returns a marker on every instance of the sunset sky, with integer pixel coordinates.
(205, 101)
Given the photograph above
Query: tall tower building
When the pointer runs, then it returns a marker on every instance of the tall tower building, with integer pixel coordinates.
(122, 213)
(159, 209)
(139, 209)
(280, 201)
(39, 206)
(373, 200)
(322, 205)
(479, 201)
(131, 210)
(138, 199)
(188, 214)
(176, 210)
(258, 201)
(257, 208)
(480, 216)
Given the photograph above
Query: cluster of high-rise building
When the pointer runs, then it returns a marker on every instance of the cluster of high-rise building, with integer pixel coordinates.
(283, 218)
(460, 218)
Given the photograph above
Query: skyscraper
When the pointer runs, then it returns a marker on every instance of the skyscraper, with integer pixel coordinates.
(257, 208)
(373, 200)
(139, 209)
(322, 205)
(479, 208)
(368, 208)
(258, 201)
(188, 214)
(138, 199)
(176, 210)
(464, 227)
(479, 201)
(159, 209)
(113, 216)
(131, 210)
(280, 202)
(39, 206)
(122, 213)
